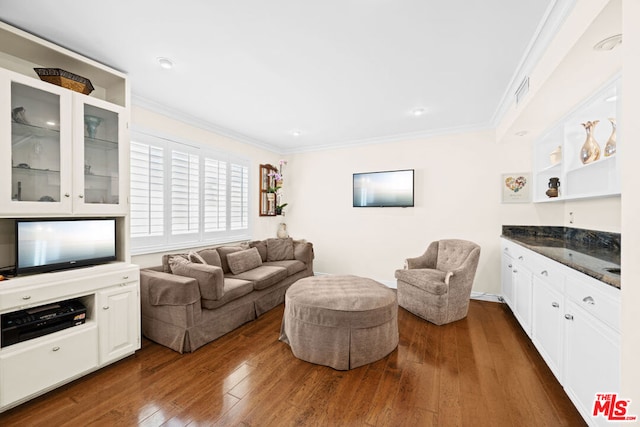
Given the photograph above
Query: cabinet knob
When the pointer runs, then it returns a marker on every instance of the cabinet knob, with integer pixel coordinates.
(568, 316)
(520, 257)
(544, 273)
(106, 307)
(510, 265)
(80, 196)
(515, 271)
(555, 304)
(26, 297)
(589, 300)
(56, 348)
(125, 277)
(67, 195)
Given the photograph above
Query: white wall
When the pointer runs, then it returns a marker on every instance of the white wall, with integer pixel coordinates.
(458, 191)
(167, 127)
(631, 206)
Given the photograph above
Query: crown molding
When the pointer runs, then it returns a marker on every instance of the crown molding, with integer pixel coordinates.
(188, 119)
(549, 26)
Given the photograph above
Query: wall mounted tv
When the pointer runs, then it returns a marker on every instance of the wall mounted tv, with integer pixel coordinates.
(383, 189)
(44, 245)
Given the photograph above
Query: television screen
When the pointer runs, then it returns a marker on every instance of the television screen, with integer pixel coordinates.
(383, 189)
(54, 244)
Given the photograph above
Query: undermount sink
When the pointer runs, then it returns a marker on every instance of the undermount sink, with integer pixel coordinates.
(613, 270)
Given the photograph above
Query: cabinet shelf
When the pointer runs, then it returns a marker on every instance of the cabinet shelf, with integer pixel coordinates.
(22, 133)
(578, 181)
(100, 144)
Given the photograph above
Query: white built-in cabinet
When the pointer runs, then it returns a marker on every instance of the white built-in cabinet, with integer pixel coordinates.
(64, 154)
(68, 152)
(572, 319)
(556, 153)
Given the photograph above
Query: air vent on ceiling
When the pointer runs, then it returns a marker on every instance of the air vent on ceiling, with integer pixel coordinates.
(522, 90)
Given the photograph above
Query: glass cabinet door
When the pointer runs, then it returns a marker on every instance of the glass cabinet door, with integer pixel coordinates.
(39, 180)
(98, 157)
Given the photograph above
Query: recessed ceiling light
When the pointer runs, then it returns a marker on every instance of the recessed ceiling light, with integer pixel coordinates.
(296, 133)
(418, 112)
(611, 98)
(609, 43)
(51, 123)
(522, 133)
(165, 63)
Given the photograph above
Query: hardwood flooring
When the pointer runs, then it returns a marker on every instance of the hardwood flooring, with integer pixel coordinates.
(480, 371)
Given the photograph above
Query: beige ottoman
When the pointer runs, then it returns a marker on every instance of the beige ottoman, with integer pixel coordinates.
(340, 321)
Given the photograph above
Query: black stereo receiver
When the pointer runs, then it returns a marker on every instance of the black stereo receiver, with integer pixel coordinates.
(35, 322)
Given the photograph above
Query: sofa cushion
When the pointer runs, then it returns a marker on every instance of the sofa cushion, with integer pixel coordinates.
(261, 245)
(292, 265)
(233, 289)
(211, 257)
(167, 258)
(223, 251)
(209, 277)
(429, 280)
(279, 249)
(245, 260)
(263, 276)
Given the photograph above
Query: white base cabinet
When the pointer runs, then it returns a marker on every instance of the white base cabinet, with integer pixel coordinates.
(111, 330)
(574, 323)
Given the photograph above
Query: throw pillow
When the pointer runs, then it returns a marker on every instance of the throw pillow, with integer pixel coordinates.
(211, 257)
(279, 249)
(177, 260)
(209, 277)
(242, 261)
(195, 257)
(262, 248)
(223, 251)
(166, 258)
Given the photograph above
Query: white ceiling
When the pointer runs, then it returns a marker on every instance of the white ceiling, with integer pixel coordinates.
(338, 71)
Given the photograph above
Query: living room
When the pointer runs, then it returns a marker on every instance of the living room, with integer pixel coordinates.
(457, 178)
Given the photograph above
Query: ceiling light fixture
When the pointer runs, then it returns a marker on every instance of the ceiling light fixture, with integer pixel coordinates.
(609, 43)
(165, 63)
(418, 112)
(611, 98)
(522, 133)
(51, 123)
(296, 133)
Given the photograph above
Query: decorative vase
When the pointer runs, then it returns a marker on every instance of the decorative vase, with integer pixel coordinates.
(92, 123)
(282, 231)
(590, 151)
(554, 184)
(610, 147)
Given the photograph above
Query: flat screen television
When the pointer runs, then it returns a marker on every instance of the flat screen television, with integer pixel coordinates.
(44, 245)
(383, 189)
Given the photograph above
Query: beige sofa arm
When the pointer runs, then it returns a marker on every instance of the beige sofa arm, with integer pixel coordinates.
(303, 251)
(169, 289)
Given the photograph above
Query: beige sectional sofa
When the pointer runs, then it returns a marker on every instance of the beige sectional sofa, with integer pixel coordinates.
(198, 296)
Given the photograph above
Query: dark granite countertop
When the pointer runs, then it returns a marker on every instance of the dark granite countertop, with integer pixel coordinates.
(594, 253)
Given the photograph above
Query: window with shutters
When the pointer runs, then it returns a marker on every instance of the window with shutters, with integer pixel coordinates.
(183, 195)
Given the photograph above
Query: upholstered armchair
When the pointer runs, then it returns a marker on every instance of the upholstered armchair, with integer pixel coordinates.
(437, 285)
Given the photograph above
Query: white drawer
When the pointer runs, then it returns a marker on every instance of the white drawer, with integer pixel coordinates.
(594, 297)
(27, 369)
(547, 270)
(20, 296)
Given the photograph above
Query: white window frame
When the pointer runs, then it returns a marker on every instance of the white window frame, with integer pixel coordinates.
(168, 241)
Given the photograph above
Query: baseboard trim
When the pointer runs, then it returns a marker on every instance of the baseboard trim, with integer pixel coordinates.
(485, 296)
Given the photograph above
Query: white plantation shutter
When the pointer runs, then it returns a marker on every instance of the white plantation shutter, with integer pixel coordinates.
(215, 195)
(147, 190)
(185, 193)
(239, 197)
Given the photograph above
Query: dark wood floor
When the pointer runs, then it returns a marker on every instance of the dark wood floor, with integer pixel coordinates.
(480, 371)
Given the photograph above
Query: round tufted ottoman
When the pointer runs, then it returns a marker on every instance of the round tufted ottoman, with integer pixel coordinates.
(340, 321)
